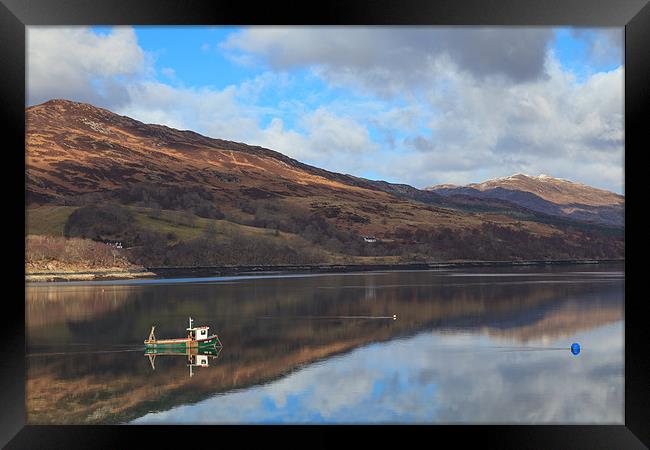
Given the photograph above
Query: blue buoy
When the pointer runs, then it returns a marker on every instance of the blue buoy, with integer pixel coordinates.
(575, 348)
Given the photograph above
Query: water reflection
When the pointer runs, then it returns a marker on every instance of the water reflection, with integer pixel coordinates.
(195, 357)
(433, 378)
(279, 330)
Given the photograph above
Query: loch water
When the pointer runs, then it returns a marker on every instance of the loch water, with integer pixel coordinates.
(468, 346)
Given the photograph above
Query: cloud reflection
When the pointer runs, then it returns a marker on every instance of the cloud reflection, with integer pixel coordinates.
(436, 378)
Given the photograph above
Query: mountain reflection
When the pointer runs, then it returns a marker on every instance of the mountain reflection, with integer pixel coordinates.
(274, 329)
(432, 378)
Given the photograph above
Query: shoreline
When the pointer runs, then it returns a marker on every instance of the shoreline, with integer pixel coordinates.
(216, 271)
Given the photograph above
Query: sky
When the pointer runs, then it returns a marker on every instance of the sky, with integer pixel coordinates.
(415, 105)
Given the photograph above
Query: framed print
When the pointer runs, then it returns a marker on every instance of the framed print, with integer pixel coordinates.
(392, 219)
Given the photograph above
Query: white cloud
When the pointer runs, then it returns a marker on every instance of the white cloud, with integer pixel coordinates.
(553, 125)
(487, 102)
(329, 133)
(389, 59)
(75, 63)
(320, 136)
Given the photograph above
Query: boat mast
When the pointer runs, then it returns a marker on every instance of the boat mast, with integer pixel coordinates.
(190, 322)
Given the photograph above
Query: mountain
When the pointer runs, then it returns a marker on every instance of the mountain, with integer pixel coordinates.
(75, 148)
(545, 194)
(91, 173)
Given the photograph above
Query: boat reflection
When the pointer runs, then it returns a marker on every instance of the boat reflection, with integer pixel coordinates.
(196, 357)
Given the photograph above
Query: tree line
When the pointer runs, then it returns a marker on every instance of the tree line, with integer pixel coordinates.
(150, 247)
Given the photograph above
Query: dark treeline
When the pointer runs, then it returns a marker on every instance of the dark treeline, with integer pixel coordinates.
(495, 242)
(309, 223)
(489, 242)
(176, 198)
(101, 222)
(238, 250)
(149, 247)
(194, 199)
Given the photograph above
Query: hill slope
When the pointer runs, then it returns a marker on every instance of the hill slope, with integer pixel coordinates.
(86, 157)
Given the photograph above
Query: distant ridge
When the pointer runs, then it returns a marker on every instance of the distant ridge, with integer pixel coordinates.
(546, 194)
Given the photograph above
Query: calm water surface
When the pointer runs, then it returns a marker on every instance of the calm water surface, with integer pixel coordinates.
(468, 346)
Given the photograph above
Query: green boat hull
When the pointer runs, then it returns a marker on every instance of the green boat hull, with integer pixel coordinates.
(212, 350)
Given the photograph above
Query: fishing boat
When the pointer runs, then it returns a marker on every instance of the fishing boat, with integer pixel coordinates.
(197, 337)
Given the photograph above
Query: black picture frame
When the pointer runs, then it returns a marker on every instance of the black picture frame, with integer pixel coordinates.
(15, 15)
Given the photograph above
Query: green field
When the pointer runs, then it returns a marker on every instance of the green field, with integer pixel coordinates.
(50, 220)
(47, 220)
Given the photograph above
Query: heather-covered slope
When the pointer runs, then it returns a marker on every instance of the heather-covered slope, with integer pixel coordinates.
(178, 198)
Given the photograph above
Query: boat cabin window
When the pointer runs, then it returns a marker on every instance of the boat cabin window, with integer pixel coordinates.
(203, 332)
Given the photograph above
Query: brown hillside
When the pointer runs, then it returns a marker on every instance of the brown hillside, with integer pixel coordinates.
(76, 148)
